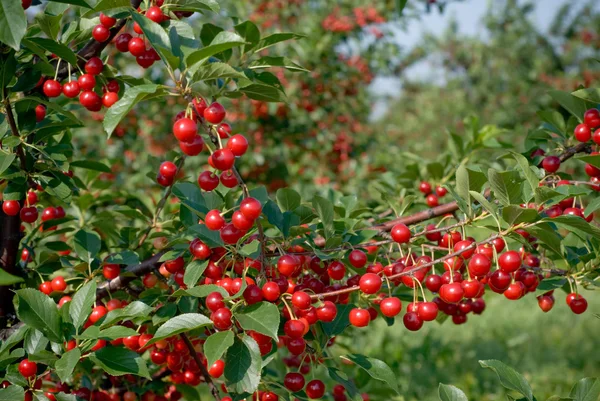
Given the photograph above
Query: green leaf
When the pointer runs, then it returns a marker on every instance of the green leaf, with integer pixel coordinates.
(587, 389)
(377, 369)
(547, 236)
(91, 165)
(572, 104)
(81, 3)
(67, 362)
(65, 397)
(549, 284)
(590, 94)
(516, 214)
(593, 160)
(527, 172)
(509, 378)
(275, 38)
(179, 324)
(128, 258)
(506, 186)
(13, 23)
(340, 377)
(251, 250)
(87, 244)
(201, 291)
(82, 303)
(216, 71)
(12, 392)
(197, 5)
(324, 209)
(262, 317)
(210, 238)
(554, 121)
(133, 310)
(447, 392)
(243, 364)
(59, 49)
(592, 207)
(7, 279)
(119, 361)
(341, 321)
(269, 61)
(193, 272)
(250, 34)
(131, 97)
(489, 206)
(158, 38)
(221, 42)
(400, 4)
(35, 342)
(49, 24)
(576, 224)
(216, 345)
(266, 93)
(8, 68)
(39, 311)
(105, 5)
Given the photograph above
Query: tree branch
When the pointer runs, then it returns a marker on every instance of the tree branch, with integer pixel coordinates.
(213, 389)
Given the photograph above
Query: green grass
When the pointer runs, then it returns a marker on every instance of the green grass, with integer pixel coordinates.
(552, 350)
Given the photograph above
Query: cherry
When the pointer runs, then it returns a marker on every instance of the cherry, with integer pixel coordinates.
(583, 133)
(578, 305)
(412, 321)
(315, 389)
(359, 317)
(230, 234)
(441, 191)
(52, 88)
(546, 302)
(40, 112)
(208, 181)
(252, 294)
(109, 98)
(251, 208)
(509, 261)
(86, 82)
(471, 288)
(228, 179)
(58, 284)
(136, 47)
(223, 159)
(466, 246)
(27, 368)
(122, 42)
(185, 129)
(294, 328)
(451, 293)
(432, 200)
(221, 318)
(94, 66)
(46, 287)
(199, 249)
(400, 233)
(199, 105)
(427, 311)
(551, 164)
(287, 264)
(97, 313)
(479, 265)
(391, 306)
(271, 291)
(425, 187)
(157, 357)
(215, 113)
(213, 220)
(591, 118)
(214, 301)
(499, 281)
(370, 283)
(266, 396)
(217, 369)
(100, 33)
(29, 214)
(596, 137)
(336, 270)
(175, 265)
(107, 20)
(301, 300)
(293, 382)
(238, 144)
(164, 181)
(515, 290)
(433, 282)
(11, 207)
(449, 239)
(357, 258)
(90, 100)
(592, 171)
(296, 346)
(224, 129)
(168, 169)
(146, 59)
(193, 147)
(26, 4)
(113, 304)
(155, 14)
(71, 89)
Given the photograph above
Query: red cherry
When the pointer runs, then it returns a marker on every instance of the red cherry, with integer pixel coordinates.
(551, 164)
(301, 300)
(199, 249)
(46, 287)
(90, 100)
(327, 312)
(271, 291)
(27, 368)
(391, 306)
(479, 265)
(359, 317)
(101, 33)
(213, 220)
(94, 66)
(168, 169)
(111, 271)
(509, 261)
(578, 305)
(223, 159)
(109, 98)
(71, 89)
(215, 113)
(29, 214)
(107, 21)
(433, 282)
(240, 221)
(40, 112)
(194, 147)
(228, 179)
(425, 187)
(86, 82)
(441, 191)
(97, 313)
(230, 234)
(293, 382)
(591, 118)
(499, 281)
(217, 369)
(287, 264)
(370, 283)
(52, 88)
(208, 181)
(214, 301)
(113, 86)
(596, 137)
(357, 258)
(583, 133)
(26, 4)
(400, 233)
(451, 293)
(315, 389)
(122, 42)
(336, 270)
(294, 328)
(412, 321)
(164, 181)
(155, 14)
(185, 130)
(224, 129)
(238, 144)
(221, 318)
(432, 200)
(146, 59)
(251, 208)
(58, 284)
(515, 290)
(545, 302)
(11, 207)
(427, 311)
(136, 47)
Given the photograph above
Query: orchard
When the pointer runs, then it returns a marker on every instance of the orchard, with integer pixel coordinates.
(192, 206)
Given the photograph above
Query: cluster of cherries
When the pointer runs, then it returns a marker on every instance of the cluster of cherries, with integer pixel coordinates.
(29, 212)
(432, 199)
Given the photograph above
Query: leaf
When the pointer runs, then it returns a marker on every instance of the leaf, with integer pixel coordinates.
(201, 291)
(447, 392)
(112, 333)
(133, 310)
(221, 42)
(105, 5)
(158, 38)
(377, 369)
(549, 284)
(266, 93)
(81, 3)
(549, 238)
(288, 199)
(39, 311)
(269, 61)
(128, 258)
(251, 250)
(81, 304)
(340, 377)
(216, 345)
(572, 104)
(91, 165)
(341, 321)
(527, 172)
(216, 71)
(262, 317)
(506, 186)
(67, 362)
(210, 238)
(509, 378)
(593, 160)
(197, 5)
(35, 341)
(87, 244)
(13, 23)
(7, 279)
(193, 272)
(119, 361)
(250, 34)
(275, 38)
(324, 209)
(515, 214)
(587, 389)
(12, 392)
(489, 206)
(243, 364)
(592, 207)
(179, 324)
(590, 94)
(576, 224)
(119, 110)
(59, 49)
